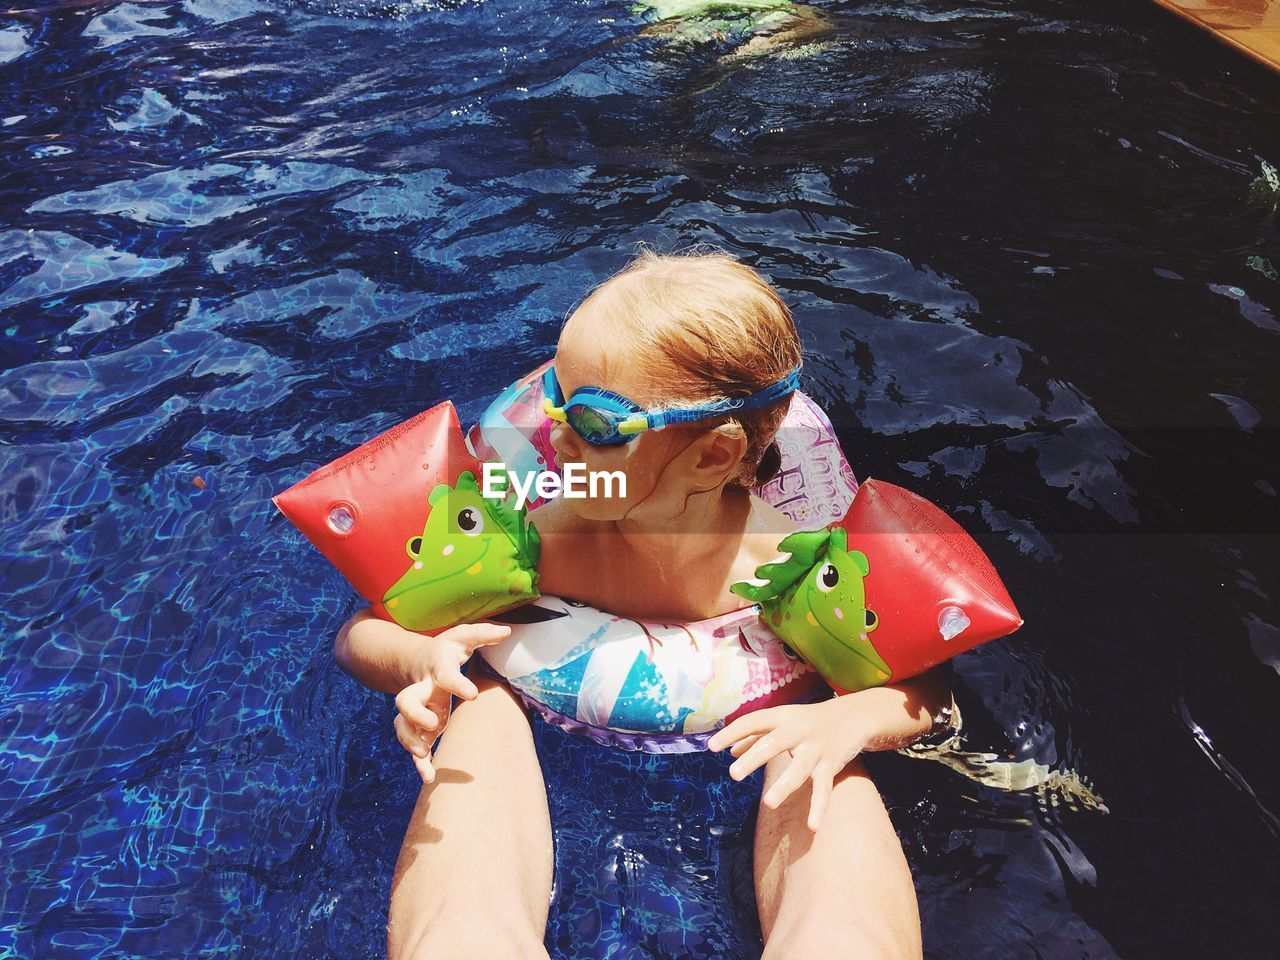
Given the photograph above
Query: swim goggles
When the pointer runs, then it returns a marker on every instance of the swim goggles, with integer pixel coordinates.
(602, 417)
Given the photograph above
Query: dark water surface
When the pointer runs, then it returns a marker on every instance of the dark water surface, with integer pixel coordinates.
(1033, 252)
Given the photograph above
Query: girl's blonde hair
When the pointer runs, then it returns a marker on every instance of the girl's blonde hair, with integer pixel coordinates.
(705, 328)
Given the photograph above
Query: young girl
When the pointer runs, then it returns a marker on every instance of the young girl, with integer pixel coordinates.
(475, 872)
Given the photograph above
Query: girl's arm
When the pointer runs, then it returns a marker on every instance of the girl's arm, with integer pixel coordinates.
(382, 655)
(424, 672)
(823, 737)
(899, 714)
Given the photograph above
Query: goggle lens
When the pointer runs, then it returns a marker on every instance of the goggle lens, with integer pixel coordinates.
(594, 426)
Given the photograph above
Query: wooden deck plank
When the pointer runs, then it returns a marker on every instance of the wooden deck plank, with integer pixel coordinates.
(1251, 26)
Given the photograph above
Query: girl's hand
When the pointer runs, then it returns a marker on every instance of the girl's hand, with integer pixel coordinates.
(821, 737)
(425, 704)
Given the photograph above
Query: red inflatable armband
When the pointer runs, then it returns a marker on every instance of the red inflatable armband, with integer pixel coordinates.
(894, 588)
(403, 520)
(934, 592)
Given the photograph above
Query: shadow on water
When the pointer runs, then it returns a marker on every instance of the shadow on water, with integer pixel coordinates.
(1033, 254)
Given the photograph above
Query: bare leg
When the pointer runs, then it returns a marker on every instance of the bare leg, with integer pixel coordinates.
(474, 875)
(845, 891)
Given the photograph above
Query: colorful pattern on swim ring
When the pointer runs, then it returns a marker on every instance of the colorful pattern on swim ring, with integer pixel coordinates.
(592, 668)
(813, 488)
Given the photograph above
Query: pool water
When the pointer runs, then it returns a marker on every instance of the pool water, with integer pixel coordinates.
(1032, 249)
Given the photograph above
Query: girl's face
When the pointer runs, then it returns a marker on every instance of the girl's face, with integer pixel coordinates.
(662, 468)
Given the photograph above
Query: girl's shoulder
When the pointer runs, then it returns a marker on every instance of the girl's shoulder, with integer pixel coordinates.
(556, 518)
(566, 539)
(766, 526)
(766, 516)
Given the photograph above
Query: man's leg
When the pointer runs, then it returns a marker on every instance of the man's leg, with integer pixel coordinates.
(845, 891)
(474, 875)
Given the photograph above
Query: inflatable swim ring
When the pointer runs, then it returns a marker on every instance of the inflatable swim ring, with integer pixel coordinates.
(642, 685)
(666, 688)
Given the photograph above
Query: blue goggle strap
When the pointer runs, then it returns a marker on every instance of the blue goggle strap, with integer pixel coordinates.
(775, 391)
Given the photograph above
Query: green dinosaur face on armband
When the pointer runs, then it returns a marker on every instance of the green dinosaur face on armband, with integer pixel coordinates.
(475, 557)
(815, 602)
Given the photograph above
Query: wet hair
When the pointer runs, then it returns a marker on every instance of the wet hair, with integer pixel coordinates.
(706, 328)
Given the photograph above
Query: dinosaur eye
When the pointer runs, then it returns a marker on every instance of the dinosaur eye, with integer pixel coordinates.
(827, 578)
(470, 521)
(415, 546)
(872, 620)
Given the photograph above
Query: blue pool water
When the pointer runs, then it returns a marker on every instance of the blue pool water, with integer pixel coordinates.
(1032, 249)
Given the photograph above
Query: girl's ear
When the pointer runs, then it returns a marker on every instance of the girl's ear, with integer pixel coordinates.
(719, 457)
